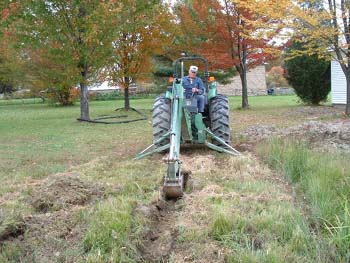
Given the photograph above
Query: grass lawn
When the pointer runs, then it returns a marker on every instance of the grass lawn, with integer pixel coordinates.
(38, 141)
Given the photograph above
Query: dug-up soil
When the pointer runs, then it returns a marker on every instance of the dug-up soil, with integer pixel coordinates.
(161, 239)
(54, 231)
(330, 136)
(160, 235)
(62, 191)
(49, 234)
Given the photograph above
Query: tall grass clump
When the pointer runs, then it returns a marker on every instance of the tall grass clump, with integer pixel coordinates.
(289, 157)
(111, 232)
(323, 179)
(340, 233)
(222, 225)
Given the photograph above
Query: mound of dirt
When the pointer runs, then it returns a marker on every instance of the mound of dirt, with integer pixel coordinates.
(328, 136)
(63, 190)
(198, 163)
(316, 111)
(50, 237)
(55, 233)
(11, 228)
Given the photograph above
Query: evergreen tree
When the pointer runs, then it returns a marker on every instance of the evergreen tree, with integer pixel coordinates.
(309, 76)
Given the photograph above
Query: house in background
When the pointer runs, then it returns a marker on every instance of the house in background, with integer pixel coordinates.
(338, 84)
(256, 82)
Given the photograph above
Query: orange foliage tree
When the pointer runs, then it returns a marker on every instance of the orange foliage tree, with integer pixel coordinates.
(233, 33)
(276, 76)
(53, 74)
(145, 29)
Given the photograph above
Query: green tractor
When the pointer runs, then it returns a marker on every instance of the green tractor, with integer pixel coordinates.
(176, 121)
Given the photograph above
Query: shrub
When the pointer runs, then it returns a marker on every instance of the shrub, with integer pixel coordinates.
(309, 76)
(6, 88)
(64, 96)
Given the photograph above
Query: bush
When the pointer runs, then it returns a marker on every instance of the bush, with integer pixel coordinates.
(6, 88)
(64, 96)
(309, 76)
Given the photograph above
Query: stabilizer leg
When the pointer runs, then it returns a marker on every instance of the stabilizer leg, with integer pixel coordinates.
(229, 149)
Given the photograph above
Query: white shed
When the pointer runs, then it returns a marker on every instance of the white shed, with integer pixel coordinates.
(338, 84)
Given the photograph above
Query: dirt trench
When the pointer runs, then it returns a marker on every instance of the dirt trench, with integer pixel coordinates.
(161, 241)
(159, 238)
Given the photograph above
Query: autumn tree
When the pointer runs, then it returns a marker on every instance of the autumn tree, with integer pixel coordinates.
(275, 77)
(145, 29)
(12, 73)
(54, 74)
(10, 67)
(73, 32)
(325, 31)
(233, 33)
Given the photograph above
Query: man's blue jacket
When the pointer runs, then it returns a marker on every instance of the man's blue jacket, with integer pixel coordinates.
(189, 83)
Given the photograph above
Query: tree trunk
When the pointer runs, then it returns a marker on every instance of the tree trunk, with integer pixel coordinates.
(242, 69)
(243, 76)
(346, 71)
(126, 94)
(347, 107)
(84, 97)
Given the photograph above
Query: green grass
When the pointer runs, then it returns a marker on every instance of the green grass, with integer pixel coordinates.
(7, 102)
(323, 179)
(109, 236)
(38, 140)
(272, 231)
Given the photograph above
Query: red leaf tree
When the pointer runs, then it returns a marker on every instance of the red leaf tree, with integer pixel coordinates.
(234, 33)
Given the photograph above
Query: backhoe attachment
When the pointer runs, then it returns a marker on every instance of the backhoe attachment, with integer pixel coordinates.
(176, 122)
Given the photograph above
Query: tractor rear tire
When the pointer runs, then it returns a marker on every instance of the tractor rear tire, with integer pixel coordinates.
(220, 118)
(161, 119)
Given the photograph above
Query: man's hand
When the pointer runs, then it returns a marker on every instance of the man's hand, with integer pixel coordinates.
(195, 90)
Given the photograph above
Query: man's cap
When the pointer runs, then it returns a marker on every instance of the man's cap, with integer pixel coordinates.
(194, 68)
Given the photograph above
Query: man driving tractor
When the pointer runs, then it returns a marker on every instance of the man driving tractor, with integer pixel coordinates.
(193, 87)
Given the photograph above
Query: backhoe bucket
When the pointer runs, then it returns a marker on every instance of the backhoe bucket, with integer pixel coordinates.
(173, 188)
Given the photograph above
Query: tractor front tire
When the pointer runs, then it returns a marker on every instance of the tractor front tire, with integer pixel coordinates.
(220, 118)
(161, 119)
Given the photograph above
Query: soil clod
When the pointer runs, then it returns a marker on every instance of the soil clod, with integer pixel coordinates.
(62, 190)
(11, 229)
